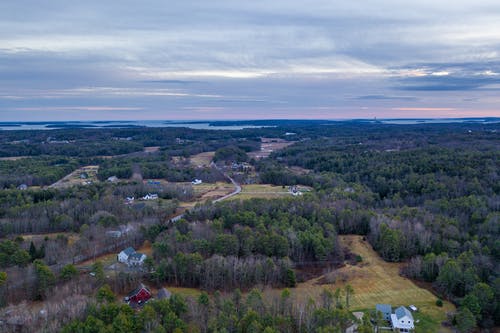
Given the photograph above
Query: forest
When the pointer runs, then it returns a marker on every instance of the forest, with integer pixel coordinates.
(425, 195)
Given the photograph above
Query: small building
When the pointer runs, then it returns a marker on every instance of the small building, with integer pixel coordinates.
(294, 190)
(84, 175)
(413, 308)
(163, 293)
(138, 296)
(385, 309)
(197, 181)
(125, 254)
(150, 196)
(22, 187)
(129, 200)
(136, 259)
(114, 233)
(112, 179)
(402, 320)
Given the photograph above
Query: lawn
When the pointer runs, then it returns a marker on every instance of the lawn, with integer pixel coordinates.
(376, 281)
(265, 191)
(202, 159)
(74, 179)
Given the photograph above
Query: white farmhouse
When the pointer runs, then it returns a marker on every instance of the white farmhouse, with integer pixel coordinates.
(150, 196)
(125, 254)
(197, 182)
(136, 259)
(402, 320)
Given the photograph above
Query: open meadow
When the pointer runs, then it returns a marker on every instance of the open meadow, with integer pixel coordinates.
(377, 281)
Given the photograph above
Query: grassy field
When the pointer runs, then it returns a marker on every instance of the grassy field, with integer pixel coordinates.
(376, 281)
(74, 178)
(268, 145)
(202, 159)
(265, 191)
(72, 237)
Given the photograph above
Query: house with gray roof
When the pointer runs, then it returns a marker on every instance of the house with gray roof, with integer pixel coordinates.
(124, 254)
(402, 320)
(164, 293)
(136, 259)
(385, 309)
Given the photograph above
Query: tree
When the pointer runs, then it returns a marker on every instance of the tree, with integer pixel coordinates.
(21, 258)
(98, 270)
(472, 303)
(45, 279)
(204, 308)
(349, 291)
(3, 278)
(32, 251)
(465, 320)
(68, 272)
(105, 294)
(123, 323)
(290, 279)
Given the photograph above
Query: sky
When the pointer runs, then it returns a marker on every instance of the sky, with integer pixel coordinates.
(259, 59)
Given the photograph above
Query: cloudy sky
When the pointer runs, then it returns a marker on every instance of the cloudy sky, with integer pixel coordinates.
(95, 59)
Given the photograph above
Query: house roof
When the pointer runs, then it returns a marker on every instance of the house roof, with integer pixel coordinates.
(163, 293)
(128, 251)
(402, 312)
(400, 323)
(137, 290)
(384, 308)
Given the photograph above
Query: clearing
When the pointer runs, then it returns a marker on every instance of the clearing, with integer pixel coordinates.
(377, 281)
(268, 145)
(202, 159)
(13, 158)
(208, 191)
(82, 176)
(266, 191)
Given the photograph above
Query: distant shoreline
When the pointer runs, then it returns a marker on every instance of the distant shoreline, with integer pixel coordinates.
(230, 124)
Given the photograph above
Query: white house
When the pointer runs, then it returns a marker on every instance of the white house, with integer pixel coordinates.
(112, 179)
(136, 259)
(125, 254)
(150, 196)
(402, 320)
(197, 181)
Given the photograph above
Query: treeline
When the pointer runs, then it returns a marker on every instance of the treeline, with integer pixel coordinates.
(35, 171)
(299, 229)
(240, 244)
(43, 211)
(410, 176)
(156, 166)
(254, 312)
(81, 142)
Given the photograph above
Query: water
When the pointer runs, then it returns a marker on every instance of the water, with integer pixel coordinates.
(116, 124)
(206, 125)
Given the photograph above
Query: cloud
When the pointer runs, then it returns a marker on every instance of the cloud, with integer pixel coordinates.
(384, 97)
(168, 56)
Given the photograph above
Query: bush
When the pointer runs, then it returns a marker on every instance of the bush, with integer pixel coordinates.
(439, 302)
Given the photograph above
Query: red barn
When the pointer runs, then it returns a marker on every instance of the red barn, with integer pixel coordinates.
(139, 295)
